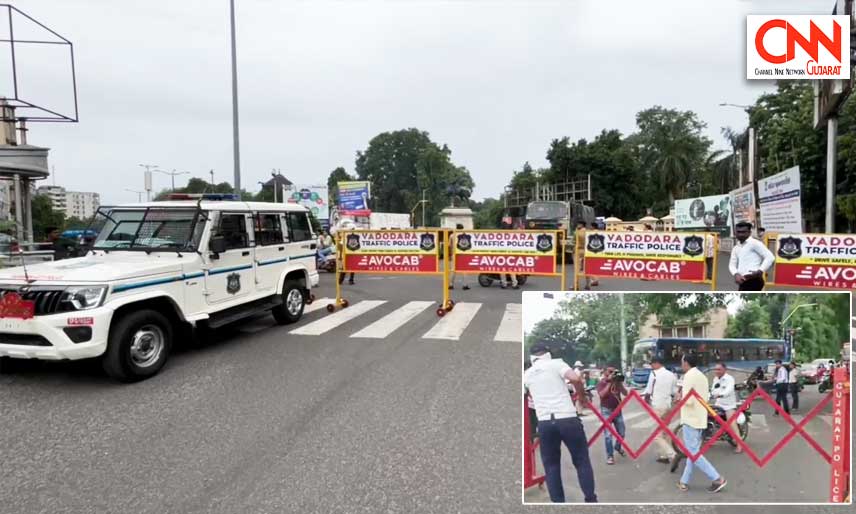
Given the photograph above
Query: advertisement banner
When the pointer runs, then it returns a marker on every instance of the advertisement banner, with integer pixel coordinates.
(816, 260)
(354, 198)
(312, 197)
(743, 204)
(708, 213)
(779, 199)
(525, 252)
(648, 255)
(412, 251)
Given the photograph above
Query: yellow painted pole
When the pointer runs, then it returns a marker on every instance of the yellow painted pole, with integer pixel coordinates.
(576, 262)
(561, 248)
(715, 263)
(340, 264)
(446, 269)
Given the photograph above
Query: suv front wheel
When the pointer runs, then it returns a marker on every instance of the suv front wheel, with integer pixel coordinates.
(139, 345)
(293, 301)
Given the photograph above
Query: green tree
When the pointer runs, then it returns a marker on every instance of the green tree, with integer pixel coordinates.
(751, 321)
(337, 175)
(672, 149)
(401, 165)
(487, 213)
(74, 223)
(197, 185)
(45, 217)
(610, 160)
(784, 122)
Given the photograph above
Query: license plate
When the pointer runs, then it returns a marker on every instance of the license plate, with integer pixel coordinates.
(10, 325)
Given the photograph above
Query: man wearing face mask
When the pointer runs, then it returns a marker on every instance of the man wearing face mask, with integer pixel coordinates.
(558, 422)
(723, 393)
(750, 259)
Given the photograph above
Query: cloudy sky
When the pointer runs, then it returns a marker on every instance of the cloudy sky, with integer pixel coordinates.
(495, 80)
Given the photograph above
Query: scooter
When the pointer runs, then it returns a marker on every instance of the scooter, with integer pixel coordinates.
(325, 263)
(825, 383)
(487, 279)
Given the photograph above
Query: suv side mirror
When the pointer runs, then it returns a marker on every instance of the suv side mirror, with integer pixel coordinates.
(217, 245)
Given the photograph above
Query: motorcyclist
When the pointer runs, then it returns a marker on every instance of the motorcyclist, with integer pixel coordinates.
(723, 394)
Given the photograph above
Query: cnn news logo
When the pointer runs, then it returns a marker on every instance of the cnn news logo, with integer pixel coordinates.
(798, 47)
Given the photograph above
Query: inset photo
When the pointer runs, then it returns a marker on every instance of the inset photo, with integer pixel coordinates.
(687, 398)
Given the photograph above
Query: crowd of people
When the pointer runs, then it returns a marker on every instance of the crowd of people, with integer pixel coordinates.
(557, 395)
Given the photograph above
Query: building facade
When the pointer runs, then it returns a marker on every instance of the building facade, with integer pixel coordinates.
(76, 204)
(712, 324)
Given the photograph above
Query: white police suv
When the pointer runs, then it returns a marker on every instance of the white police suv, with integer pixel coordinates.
(154, 271)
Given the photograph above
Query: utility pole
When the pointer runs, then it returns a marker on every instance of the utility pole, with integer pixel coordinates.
(172, 174)
(236, 151)
(275, 185)
(147, 178)
(212, 179)
(623, 333)
(831, 161)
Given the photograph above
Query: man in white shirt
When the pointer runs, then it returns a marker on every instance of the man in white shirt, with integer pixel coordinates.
(723, 393)
(794, 385)
(782, 379)
(660, 393)
(750, 259)
(558, 421)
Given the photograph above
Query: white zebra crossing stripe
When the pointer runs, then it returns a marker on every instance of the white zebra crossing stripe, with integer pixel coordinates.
(392, 321)
(511, 328)
(318, 304)
(453, 324)
(327, 323)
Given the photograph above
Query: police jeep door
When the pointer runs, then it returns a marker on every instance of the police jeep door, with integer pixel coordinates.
(230, 273)
(271, 250)
(301, 241)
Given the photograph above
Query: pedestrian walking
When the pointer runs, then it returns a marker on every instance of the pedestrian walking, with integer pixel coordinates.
(558, 422)
(750, 259)
(610, 390)
(452, 243)
(782, 380)
(723, 393)
(794, 385)
(694, 421)
(660, 393)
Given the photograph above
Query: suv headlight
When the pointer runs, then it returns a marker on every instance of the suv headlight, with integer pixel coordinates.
(84, 297)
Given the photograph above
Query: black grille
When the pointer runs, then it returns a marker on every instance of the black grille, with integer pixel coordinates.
(47, 301)
(23, 339)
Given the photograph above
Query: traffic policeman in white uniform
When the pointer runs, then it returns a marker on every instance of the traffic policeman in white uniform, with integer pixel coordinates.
(558, 421)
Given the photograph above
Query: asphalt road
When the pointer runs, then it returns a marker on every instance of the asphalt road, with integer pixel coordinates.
(797, 474)
(263, 420)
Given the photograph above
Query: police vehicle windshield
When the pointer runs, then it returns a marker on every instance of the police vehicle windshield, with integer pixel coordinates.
(147, 229)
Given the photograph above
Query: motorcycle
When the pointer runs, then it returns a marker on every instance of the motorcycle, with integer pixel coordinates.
(487, 279)
(326, 262)
(825, 383)
(713, 427)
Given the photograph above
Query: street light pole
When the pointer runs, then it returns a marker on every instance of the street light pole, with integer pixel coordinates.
(172, 174)
(139, 194)
(790, 340)
(236, 151)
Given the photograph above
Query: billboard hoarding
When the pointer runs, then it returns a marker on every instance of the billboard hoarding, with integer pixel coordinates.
(354, 197)
(779, 200)
(743, 204)
(708, 213)
(314, 198)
